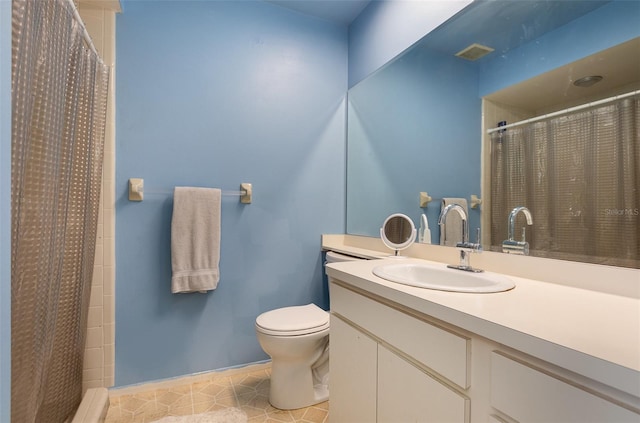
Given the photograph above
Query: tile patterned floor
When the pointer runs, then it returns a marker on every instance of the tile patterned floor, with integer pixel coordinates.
(245, 389)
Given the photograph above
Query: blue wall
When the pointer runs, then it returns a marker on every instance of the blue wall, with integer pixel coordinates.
(413, 126)
(5, 210)
(385, 28)
(215, 94)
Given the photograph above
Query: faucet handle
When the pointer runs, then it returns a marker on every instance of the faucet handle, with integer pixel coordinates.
(466, 248)
(472, 247)
(524, 233)
(478, 243)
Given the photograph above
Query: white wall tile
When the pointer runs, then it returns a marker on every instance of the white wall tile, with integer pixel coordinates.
(100, 24)
(108, 280)
(109, 380)
(94, 337)
(99, 233)
(93, 375)
(98, 276)
(108, 251)
(109, 163)
(109, 355)
(108, 314)
(94, 319)
(109, 222)
(94, 358)
(100, 212)
(99, 260)
(91, 384)
(109, 192)
(96, 299)
(108, 330)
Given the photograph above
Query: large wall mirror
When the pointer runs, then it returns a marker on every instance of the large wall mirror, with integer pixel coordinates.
(419, 124)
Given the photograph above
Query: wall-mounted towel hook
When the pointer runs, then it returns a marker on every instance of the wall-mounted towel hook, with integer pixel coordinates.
(136, 189)
(248, 193)
(424, 199)
(475, 201)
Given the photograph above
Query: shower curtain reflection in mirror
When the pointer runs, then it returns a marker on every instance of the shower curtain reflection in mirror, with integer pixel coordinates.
(579, 175)
(59, 92)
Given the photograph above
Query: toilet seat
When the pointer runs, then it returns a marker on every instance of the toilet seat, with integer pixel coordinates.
(291, 321)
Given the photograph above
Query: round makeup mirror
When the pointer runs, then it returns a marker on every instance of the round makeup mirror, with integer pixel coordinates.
(398, 232)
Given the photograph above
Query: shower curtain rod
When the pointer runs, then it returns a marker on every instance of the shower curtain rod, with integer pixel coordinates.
(562, 112)
(85, 33)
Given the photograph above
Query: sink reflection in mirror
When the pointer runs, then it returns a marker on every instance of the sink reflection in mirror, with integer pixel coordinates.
(441, 278)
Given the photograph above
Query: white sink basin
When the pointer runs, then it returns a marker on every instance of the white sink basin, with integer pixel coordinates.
(442, 278)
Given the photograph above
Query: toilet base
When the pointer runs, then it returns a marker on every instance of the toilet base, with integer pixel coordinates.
(285, 395)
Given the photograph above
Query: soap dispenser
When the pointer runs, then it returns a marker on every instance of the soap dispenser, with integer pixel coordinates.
(424, 234)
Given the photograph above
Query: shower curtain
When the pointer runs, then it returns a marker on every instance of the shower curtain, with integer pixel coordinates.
(579, 175)
(59, 89)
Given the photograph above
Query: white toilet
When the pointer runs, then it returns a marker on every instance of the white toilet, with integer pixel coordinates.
(297, 340)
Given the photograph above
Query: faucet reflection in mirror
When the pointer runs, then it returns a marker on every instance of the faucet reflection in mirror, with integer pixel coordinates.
(510, 245)
(570, 170)
(466, 248)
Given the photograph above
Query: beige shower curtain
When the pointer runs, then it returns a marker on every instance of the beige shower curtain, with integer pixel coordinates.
(579, 175)
(59, 92)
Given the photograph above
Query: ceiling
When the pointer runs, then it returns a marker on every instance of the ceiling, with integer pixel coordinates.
(515, 23)
(339, 11)
(554, 90)
(508, 26)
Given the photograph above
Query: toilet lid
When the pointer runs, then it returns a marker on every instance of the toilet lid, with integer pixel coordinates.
(304, 318)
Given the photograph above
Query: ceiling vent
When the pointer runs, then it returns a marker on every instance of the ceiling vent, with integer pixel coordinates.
(474, 52)
(587, 81)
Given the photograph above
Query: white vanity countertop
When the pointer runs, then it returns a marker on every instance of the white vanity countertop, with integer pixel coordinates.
(592, 333)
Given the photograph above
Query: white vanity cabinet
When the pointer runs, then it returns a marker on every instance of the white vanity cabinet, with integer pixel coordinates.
(391, 363)
(389, 366)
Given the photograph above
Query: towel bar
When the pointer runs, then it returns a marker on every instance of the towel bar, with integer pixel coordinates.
(136, 191)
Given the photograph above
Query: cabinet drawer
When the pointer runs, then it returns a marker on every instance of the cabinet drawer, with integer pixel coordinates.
(407, 394)
(527, 394)
(438, 349)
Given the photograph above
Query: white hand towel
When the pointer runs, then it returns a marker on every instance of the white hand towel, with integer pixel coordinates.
(195, 239)
(451, 231)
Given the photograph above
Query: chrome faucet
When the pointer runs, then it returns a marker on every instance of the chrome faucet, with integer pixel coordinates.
(466, 248)
(510, 245)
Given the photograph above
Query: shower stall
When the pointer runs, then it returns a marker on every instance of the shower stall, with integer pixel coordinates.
(59, 100)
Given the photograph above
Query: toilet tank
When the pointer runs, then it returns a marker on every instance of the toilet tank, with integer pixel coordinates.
(333, 257)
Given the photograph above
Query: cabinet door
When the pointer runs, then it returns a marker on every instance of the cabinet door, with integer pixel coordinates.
(407, 394)
(529, 395)
(352, 375)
